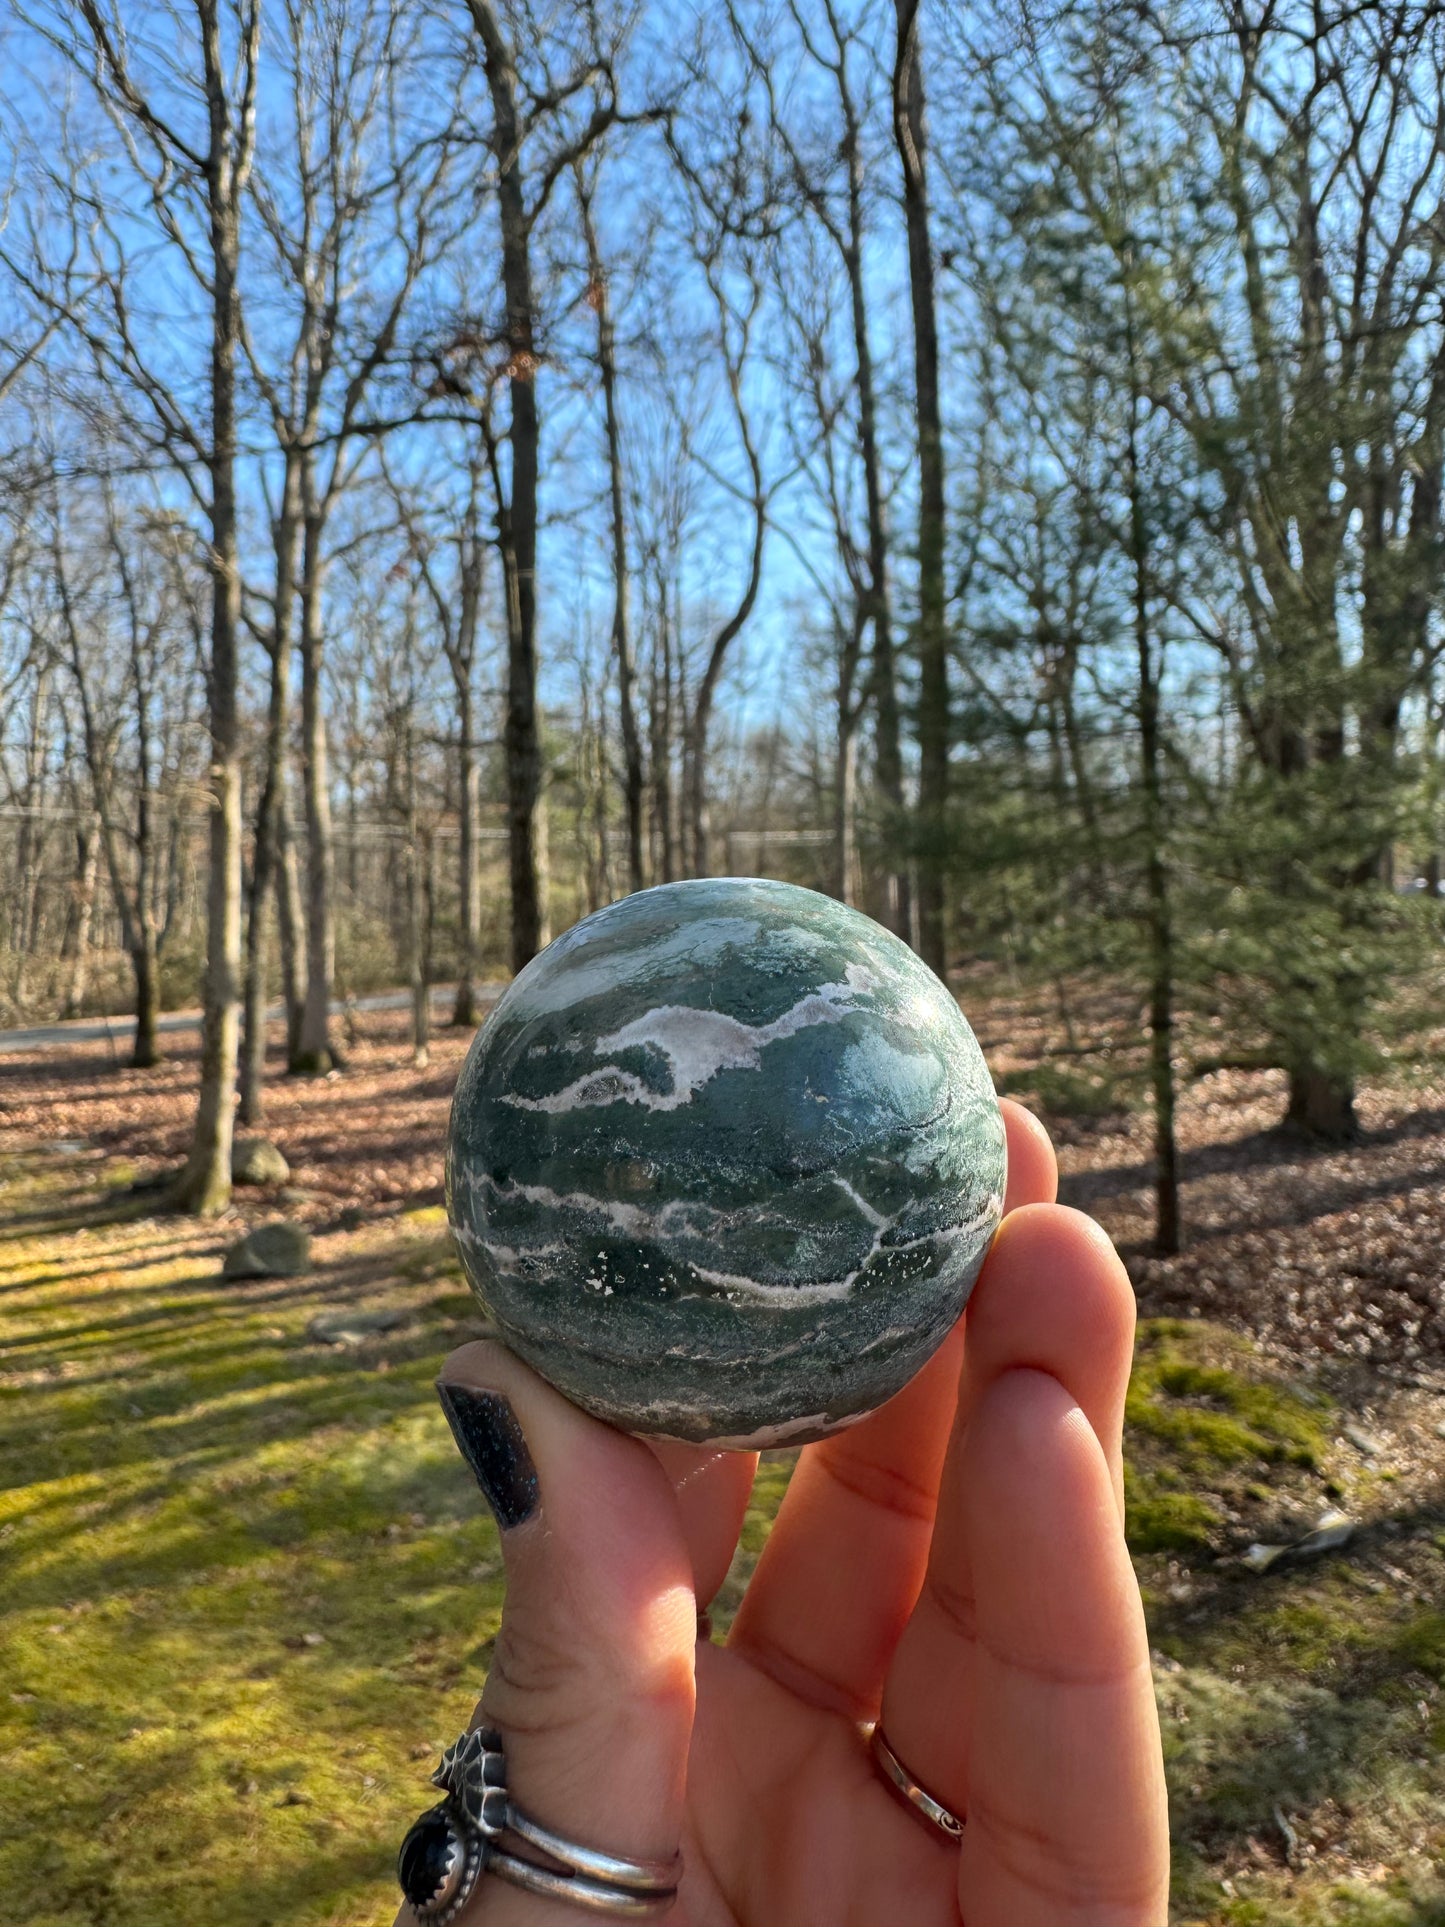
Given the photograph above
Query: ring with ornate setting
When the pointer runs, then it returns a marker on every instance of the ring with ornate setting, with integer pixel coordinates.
(903, 1782)
(452, 1845)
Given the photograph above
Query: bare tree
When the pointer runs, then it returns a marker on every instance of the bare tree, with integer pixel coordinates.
(729, 221)
(537, 137)
(600, 300)
(133, 690)
(359, 206)
(187, 132)
(806, 294)
(932, 627)
(455, 592)
(416, 821)
(735, 324)
(34, 796)
(830, 167)
(273, 865)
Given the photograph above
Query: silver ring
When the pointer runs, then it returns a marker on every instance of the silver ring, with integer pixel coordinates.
(447, 1851)
(619, 1902)
(898, 1777)
(644, 1876)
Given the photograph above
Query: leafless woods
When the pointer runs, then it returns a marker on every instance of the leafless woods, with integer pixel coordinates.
(461, 462)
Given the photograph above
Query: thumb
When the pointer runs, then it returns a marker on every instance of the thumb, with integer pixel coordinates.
(592, 1676)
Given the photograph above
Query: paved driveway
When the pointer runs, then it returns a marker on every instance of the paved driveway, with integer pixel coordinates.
(119, 1030)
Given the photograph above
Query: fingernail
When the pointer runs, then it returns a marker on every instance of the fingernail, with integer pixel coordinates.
(490, 1440)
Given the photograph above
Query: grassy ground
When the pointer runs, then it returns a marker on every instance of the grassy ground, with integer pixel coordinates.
(247, 1588)
(1304, 1727)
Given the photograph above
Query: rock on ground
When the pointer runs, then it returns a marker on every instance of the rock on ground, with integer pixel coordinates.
(254, 1160)
(276, 1250)
(354, 1327)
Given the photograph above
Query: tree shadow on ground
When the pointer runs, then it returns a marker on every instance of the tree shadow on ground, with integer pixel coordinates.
(1280, 1144)
(1277, 1148)
(81, 1212)
(1317, 1687)
(169, 1389)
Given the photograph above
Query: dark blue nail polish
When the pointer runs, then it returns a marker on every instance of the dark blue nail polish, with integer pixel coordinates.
(490, 1440)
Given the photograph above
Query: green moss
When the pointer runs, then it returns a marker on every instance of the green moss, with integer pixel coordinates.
(1337, 1903)
(1220, 1414)
(431, 1257)
(774, 1471)
(1312, 1635)
(1202, 1411)
(1421, 1644)
(248, 1581)
(1159, 1520)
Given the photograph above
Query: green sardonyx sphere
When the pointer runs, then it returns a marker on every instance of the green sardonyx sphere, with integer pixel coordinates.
(724, 1162)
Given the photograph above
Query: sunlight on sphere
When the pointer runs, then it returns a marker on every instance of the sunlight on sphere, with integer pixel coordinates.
(724, 1162)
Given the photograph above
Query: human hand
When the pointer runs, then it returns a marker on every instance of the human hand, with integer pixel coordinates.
(954, 1566)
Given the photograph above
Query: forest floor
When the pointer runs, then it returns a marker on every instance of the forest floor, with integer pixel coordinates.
(249, 1591)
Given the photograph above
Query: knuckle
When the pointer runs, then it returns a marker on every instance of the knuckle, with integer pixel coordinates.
(533, 1682)
(1066, 1875)
(554, 1671)
(954, 1604)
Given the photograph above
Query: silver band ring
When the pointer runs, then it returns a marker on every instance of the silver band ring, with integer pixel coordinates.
(619, 1902)
(644, 1876)
(898, 1777)
(449, 1849)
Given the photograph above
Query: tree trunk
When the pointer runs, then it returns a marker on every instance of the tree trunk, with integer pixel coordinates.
(146, 1049)
(250, 1098)
(205, 1183)
(1322, 1104)
(263, 864)
(291, 920)
(137, 917)
(888, 754)
(145, 955)
(542, 862)
(933, 716)
(315, 1053)
(87, 875)
(698, 828)
(695, 736)
(1167, 1228)
(1083, 785)
(459, 642)
(845, 761)
(417, 894)
(633, 778)
(845, 803)
(32, 822)
(464, 1011)
(663, 800)
(517, 524)
(602, 891)
(353, 835)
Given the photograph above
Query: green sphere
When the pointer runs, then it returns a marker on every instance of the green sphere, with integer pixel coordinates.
(724, 1162)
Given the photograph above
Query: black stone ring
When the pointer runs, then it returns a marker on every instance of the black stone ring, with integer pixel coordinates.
(452, 1845)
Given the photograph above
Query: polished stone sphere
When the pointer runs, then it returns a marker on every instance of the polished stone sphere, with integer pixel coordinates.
(724, 1162)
